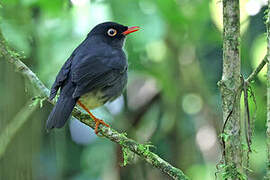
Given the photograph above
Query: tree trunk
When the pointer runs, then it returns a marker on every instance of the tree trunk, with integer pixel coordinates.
(230, 92)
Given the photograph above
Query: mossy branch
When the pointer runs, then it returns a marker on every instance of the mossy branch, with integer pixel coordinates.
(140, 149)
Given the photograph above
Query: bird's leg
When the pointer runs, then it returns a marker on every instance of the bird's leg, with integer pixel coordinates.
(98, 121)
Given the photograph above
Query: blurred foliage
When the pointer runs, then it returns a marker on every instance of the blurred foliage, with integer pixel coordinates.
(171, 100)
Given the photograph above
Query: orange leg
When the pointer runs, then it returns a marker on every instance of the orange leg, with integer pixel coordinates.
(98, 121)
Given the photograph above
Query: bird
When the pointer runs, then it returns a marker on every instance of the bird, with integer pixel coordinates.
(95, 73)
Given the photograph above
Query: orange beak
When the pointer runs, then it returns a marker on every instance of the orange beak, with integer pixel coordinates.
(131, 30)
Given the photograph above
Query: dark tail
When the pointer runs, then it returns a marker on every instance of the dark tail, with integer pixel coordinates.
(61, 112)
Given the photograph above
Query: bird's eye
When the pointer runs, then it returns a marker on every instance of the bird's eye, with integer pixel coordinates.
(112, 32)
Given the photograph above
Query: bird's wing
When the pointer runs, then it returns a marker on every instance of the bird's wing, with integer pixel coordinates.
(61, 77)
(96, 72)
(64, 72)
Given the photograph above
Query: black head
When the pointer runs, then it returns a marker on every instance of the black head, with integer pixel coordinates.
(112, 33)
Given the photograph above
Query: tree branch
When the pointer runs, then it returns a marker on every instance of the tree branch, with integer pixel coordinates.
(120, 138)
(257, 70)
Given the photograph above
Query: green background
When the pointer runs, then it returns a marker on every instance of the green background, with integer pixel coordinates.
(172, 100)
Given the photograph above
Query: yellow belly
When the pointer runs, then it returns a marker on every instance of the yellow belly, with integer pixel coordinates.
(92, 100)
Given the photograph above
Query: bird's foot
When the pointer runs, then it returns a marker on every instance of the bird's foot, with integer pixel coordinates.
(98, 122)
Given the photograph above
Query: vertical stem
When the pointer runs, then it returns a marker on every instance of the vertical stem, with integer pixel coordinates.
(268, 92)
(8, 133)
(229, 87)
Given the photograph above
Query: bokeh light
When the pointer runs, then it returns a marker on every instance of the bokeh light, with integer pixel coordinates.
(192, 103)
(206, 138)
(79, 2)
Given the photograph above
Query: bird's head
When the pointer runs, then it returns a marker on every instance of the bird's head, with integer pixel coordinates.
(112, 33)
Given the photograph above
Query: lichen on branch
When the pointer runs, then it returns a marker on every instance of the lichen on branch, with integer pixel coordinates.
(230, 90)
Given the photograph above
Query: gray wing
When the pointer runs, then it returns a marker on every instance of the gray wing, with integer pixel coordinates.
(61, 77)
(97, 72)
(63, 74)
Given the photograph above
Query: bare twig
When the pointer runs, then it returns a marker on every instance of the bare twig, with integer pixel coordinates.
(247, 123)
(120, 138)
(248, 131)
(256, 71)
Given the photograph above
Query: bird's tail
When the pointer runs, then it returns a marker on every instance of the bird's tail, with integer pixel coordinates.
(61, 112)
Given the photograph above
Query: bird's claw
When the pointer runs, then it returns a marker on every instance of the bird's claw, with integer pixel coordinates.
(98, 122)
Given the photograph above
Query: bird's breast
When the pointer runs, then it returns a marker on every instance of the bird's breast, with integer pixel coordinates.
(110, 92)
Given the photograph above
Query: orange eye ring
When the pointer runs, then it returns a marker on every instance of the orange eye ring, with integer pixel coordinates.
(111, 32)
